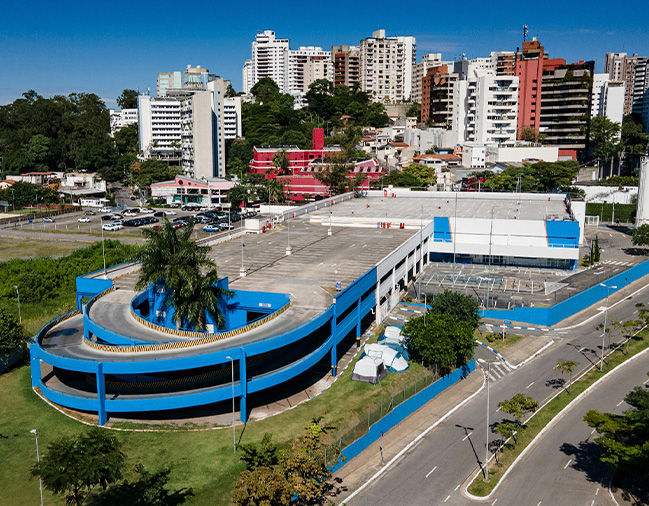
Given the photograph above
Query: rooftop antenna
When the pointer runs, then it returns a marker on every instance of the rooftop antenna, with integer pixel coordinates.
(524, 33)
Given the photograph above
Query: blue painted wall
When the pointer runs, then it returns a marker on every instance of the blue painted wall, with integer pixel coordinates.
(442, 229)
(561, 311)
(562, 234)
(402, 411)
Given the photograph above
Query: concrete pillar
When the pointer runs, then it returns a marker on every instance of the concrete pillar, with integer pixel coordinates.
(334, 347)
(358, 322)
(101, 394)
(377, 302)
(35, 365)
(243, 386)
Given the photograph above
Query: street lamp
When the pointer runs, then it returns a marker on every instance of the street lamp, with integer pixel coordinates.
(103, 249)
(234, 434)
(486, 459)
(288, 242)
(38, 461)
(329, 231)
(20, 318)
(608, 291)
(242, 271)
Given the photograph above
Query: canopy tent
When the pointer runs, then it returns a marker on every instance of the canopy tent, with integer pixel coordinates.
(369, 369)
(391, 358)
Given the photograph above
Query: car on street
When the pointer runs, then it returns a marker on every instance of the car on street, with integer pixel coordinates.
(115, 225)
(84, 219)
(169, 212)
(211, 228)
(48, 219)
(89, 213)
(147, 210)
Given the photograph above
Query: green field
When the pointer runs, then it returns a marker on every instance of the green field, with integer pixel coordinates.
(201, 459)
(623, 212)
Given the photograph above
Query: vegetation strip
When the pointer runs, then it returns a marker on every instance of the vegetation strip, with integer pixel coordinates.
(538, 421)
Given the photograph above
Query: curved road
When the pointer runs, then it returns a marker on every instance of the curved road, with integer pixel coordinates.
(434, 470)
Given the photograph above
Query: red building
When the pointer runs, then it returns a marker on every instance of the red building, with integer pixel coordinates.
(300, 178)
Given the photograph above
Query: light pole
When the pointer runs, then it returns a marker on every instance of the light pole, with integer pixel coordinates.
(20, 318)
(329, 231)
(486, 459)
(234, 434)
(242, 271)
(103, 250)
(608, 291)
(13, 199)
(425, 308)
(38, 461)
(288, 241)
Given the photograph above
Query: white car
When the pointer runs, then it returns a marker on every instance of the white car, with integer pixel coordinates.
(116, 225)
(168, 212)
(84, 219)
(147, 210)
(130, 213)
(105, 210)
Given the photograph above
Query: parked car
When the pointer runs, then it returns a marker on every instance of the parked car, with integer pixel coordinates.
(211, 228)
(106, 217)
(160, 214)
(147, 210)
(105, 210)
(169, 212)
(84, 219)
(89, 213)
(115, 225)
(131, 212)
(49, 219)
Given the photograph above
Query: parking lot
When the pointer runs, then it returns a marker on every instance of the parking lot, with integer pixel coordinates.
(88, 222)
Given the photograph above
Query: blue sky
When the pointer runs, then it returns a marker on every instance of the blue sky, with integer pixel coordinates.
(58, 47)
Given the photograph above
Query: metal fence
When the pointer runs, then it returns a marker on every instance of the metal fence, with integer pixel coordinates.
(359, 423)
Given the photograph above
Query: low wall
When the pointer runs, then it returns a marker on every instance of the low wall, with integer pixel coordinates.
(571, 306)
(402, 411)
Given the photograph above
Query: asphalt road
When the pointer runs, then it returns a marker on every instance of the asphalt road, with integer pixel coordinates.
(434, 470)
(567, 457)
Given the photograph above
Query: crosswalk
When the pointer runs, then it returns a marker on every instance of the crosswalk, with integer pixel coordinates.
(498, 371)
(619, 262)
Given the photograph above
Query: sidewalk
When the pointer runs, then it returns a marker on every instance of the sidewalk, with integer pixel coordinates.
(362, 467)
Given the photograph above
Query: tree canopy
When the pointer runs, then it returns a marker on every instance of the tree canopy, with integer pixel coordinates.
(72, 466)
(463, 307)
(534, 177)
(624, 439)
(641, 235)
(439, 340)
(11, 333)
(127, 100)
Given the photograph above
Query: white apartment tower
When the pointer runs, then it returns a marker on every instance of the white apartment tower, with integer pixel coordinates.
(386, 66)
(491, 109)
(304, 64)
(270, 59)
(159, 126)
(608, 98)
(246, 76)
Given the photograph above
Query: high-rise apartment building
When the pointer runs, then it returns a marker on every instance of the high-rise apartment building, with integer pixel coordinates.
(246, 77)
(566, 95)
(632, 70)
(437, 91)
(305, 65)
(386, 66)
(346, 60)
(192, 78)
(608, 98)
(270, 59)
(420, 69)
(159, 127)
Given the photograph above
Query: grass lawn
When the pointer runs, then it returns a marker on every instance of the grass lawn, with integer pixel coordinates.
(497, 343)
(31, 248)
(203, 460)
(525, 436)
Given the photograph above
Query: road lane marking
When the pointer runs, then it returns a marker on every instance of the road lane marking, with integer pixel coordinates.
(567, 464)
(597, 491)
(447, 498)
(539, 504)
(431, 471)
(619, 403)
(492, 504)
(592, 432)
(592, 503)
(528, 386)
(455, 490)
(498, 409)
(467, 436)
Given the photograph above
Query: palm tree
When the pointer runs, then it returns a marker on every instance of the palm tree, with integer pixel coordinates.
(566, 367)
(171, 259)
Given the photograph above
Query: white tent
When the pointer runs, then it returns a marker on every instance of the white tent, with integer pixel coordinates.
(392, 335)
(391, 358)
(369, 369)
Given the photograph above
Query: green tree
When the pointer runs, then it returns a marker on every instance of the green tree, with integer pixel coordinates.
(148, 489)
(604, 134)
(624, 439)
(11, 333)
(265, 455)
(151, 171)
(414, 111)
(641, 235)
(281, 162)
(439, 340)
(634, 140)
(463, 307)
(566, 367)
(126, 139)
(527, 133)
(173, 260)
(275, 189)
(334, 173)
(127, 100)
(263, 486)
(507, 430)
(518, 406)
(597, 251)
(72, 466)
(424, 175)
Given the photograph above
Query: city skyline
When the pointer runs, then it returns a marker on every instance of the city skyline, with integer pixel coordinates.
(96, 49)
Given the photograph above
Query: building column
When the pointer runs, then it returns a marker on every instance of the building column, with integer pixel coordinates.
(35, 365)
(334, 338)
(358, 322)
(243, 386)
(101, 394)
(377, 302)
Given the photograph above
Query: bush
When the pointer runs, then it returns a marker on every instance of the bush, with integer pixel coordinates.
(11, 332)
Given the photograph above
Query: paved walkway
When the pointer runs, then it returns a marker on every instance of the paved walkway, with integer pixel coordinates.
(362, 467)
